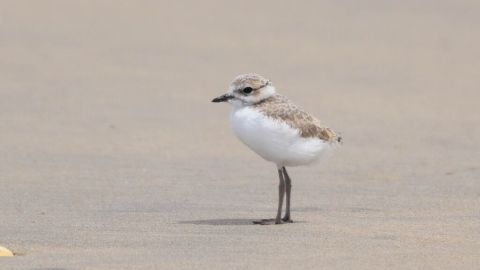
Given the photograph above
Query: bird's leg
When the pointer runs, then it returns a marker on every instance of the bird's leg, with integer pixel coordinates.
(288, 186)
(281, 194)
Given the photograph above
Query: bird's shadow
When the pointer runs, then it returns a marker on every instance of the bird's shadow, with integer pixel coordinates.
(220, 222)
(226, 222)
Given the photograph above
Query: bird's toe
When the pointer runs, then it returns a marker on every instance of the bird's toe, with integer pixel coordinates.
(270, 221)
(287, 220)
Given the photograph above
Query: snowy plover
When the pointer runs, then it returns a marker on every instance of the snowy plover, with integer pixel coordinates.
(277, 130)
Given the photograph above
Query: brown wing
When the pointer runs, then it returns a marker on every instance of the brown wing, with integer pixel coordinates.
(279, 107)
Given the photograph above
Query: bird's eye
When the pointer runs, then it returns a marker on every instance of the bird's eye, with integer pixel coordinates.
(247, 90)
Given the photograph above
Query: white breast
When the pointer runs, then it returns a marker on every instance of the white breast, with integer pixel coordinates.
(274, 140)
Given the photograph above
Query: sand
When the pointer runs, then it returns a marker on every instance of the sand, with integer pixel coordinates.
(113, 157)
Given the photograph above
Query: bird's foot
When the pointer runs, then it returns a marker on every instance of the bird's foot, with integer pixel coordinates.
(287, 219)
(269, 221)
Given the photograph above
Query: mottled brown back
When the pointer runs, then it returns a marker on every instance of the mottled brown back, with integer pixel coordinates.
(279, 107)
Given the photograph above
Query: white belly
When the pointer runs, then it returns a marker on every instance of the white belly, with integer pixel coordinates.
(274, 140)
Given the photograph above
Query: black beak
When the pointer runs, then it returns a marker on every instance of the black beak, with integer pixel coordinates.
(222, 98)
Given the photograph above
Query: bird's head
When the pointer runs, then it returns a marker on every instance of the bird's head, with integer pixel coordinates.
(247, 89)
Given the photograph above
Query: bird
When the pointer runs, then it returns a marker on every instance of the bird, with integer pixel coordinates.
(277, 130)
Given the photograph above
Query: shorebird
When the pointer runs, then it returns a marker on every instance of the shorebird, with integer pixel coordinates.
(277, 130)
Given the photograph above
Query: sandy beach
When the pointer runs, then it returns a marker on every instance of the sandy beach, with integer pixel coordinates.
(113, 157)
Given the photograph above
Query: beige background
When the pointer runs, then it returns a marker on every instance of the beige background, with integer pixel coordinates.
(113, 157)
